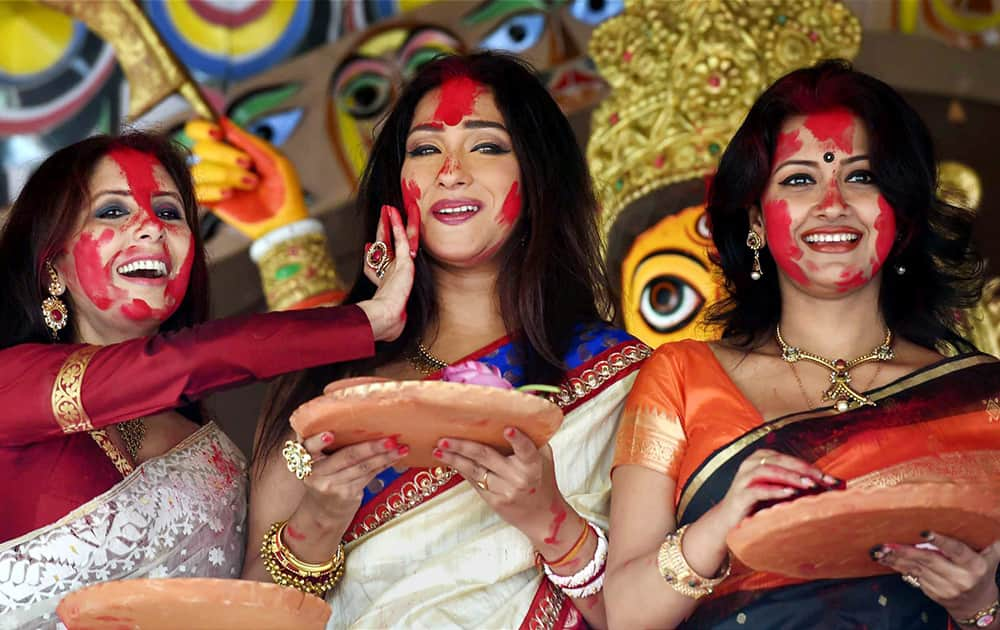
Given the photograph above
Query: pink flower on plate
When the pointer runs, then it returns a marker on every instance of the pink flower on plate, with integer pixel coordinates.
(475, 373)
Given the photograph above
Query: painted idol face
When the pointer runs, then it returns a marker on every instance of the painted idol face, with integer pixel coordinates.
(461, 171)
(127, 266)
(826, 224)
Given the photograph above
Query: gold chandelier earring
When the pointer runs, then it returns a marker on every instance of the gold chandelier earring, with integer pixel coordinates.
(755, 243)
(53, 309)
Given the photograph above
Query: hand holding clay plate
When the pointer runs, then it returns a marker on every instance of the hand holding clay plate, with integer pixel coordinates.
(193, 604)
(829, 535)
(419, 413)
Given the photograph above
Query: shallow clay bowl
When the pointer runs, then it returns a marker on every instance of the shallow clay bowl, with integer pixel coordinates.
(419, 413)
(192, 604)
(830, 535)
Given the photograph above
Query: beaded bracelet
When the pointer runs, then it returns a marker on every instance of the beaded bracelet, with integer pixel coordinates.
(590, 577)
(286, 569)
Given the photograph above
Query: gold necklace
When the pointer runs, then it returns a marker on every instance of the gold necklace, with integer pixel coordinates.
(132, 432)
(840, 390)
(424, 362)
(805, 396)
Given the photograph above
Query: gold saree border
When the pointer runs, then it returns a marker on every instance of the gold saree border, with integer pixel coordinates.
(603, 371)
(117, 458)
(914, 380)
(67, 392)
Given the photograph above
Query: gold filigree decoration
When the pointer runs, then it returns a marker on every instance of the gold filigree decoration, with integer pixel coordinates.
(579, 387)
(152, 70)
(684, 75)
(117, 458)
(297, 269)
(67, 390)
(424, 485)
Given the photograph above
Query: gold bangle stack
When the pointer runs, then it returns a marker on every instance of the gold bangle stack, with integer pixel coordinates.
(287, 570)
(678, 573)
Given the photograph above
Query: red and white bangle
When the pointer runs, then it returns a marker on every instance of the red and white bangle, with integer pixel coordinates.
(590, 579)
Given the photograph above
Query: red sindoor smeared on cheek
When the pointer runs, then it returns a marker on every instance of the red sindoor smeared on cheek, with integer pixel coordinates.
(411, 195)
(787, 146)
(781, 241)
(836, 125)
(95, 277)
(511, 208)
(885, 226)
(458, 99)
(178, 285)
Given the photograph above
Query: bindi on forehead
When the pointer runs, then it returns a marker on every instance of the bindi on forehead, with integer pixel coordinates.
(457, 99)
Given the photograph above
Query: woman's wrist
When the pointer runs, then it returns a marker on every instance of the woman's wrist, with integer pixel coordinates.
(705, 542)
(313, 535)
(985, 610)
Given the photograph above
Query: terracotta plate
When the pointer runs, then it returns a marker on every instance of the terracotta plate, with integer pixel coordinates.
(829, 535)
(193, 604)
(419, 413)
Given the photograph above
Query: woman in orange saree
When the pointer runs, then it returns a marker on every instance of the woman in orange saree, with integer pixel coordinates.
(828, 374)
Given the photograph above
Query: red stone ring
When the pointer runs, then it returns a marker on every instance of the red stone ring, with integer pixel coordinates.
(377, 258)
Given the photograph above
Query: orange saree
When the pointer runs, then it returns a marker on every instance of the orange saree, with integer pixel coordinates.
(686, 419)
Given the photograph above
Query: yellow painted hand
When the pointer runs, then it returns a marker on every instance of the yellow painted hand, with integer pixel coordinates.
(243, 179)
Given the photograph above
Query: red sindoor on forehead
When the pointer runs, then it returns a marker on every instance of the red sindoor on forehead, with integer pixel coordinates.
(138, 169)
(835, 125)
(788, 145)
(458, 98)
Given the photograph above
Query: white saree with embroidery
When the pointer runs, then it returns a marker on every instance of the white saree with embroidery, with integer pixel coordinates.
(180, 514)
(428, 552)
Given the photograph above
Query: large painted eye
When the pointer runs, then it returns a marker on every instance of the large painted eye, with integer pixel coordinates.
(267, 113)
(365, 95)
(668, 303)
(594, 12)
(276, 128)
(516, 34)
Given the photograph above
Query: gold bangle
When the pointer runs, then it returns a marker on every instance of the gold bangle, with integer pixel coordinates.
(678, 573)
(292, 563)
(287, 570)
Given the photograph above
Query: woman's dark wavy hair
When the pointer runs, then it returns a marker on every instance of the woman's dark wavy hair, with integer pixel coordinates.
(552, 271)
(45, 215)
(943, 269)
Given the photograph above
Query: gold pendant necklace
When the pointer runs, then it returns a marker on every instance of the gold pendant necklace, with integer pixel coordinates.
(424, 362)
(840, 391)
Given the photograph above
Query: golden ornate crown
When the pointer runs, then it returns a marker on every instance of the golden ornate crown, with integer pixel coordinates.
(683, 76)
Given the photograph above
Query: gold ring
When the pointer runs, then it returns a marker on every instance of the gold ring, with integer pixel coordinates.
(377, 258)
(911, 580)
(483, 485)
(298, 459)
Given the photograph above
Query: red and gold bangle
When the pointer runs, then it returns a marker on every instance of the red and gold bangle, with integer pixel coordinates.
(287, 570)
